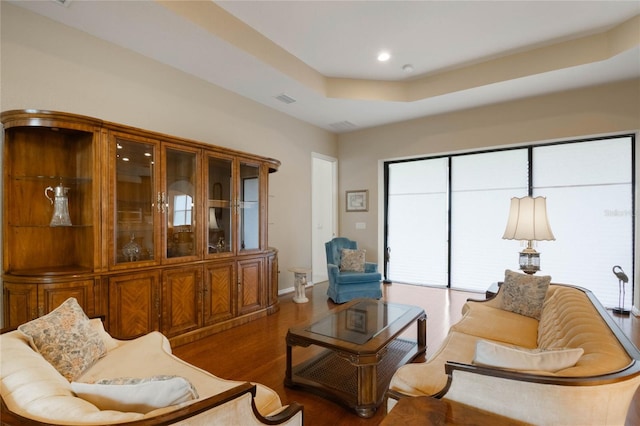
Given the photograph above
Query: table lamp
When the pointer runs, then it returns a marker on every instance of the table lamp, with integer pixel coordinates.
(528, 222)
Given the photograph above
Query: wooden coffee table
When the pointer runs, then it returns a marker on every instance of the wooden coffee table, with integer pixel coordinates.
(354, 350)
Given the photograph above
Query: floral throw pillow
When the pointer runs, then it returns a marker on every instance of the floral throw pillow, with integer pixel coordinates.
(352, 260)
(66, 339)
(524, 294)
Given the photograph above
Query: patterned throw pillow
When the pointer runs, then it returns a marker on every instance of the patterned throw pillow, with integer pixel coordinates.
(66, 339)
(516, 358)
(139, 395)
(524, 294)
(352, 260)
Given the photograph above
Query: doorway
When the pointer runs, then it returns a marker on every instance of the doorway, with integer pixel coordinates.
(324, 208)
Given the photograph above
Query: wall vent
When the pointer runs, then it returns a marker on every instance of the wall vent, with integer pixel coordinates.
(284, 98)
(343, 126)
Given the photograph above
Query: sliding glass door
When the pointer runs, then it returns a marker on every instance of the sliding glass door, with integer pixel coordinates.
(417, 221)
(589, 194)
(481, 188)
(445, 216)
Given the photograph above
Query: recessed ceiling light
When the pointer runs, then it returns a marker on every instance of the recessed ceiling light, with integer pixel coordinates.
(384, 56)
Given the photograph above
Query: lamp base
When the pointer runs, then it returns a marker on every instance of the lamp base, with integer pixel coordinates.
(620, 311)
(529, 260)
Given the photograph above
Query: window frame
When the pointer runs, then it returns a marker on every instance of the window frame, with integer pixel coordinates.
(529, 147)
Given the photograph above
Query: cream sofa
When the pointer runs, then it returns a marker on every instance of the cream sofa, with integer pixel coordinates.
(597, 390)
(34, 391)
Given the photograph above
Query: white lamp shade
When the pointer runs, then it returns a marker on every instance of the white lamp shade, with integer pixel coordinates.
(528, 220)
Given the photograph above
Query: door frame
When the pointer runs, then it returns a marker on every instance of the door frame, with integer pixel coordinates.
(318, 239)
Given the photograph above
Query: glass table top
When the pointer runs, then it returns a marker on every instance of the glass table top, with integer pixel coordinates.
(360, 322)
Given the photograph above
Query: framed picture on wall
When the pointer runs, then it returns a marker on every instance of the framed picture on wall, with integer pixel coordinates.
(358, 201)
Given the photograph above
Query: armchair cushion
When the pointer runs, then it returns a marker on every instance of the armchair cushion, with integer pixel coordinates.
(352, 260)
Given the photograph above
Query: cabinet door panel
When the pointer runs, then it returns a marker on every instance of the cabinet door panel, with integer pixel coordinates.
(250, 285)
(133, 305)
(20, 303)
(249, 204)
(53, 295)
(219, 206)
(181, 194)
(137, 202)
(181, 296)
(219, 292)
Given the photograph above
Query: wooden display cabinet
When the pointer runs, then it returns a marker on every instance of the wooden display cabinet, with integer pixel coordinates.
(45, 264)
(166, 234)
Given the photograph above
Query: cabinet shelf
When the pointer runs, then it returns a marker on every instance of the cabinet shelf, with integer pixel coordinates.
(47, 226)
(68, 180)
(52, 271)
(219, 203)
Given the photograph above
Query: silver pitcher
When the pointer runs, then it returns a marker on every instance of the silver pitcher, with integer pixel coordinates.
(60, 202)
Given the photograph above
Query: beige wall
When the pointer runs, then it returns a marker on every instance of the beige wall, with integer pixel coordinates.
(46, 65)
(607, 109)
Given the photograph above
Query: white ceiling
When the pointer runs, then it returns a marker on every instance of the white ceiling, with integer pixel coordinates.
(341, 39)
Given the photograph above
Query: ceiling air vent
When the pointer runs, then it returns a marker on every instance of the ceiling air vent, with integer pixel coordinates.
(64, 3)
(284, 98)
(343, 126)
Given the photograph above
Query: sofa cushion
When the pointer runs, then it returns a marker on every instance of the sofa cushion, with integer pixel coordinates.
(429, 378)
(139, 395)
(109, 342)
(487, 322)
(33, 388)
(352, 260)
(66, 339)
(569, 319)
(524, 294)
(516, 358)
(131, 359)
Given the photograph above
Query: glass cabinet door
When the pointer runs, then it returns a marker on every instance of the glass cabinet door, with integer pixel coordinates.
(135, 198)
(249, 206)
(179, 199)
(219, 203)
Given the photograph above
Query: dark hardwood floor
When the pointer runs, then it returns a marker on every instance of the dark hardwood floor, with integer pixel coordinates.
(257, 351)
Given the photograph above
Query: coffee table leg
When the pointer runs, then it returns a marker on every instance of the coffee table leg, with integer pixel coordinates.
(287, 377)
(367, 390)
(422, 333)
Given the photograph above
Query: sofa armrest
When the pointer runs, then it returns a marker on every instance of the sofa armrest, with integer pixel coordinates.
(542, 399)
(197, 412)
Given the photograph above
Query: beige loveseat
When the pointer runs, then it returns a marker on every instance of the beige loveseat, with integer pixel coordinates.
(34, 391)
(595, 389)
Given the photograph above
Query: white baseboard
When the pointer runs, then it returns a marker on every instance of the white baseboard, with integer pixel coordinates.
(635, 311)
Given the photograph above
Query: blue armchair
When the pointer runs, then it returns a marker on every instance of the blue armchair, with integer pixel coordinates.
(347, 285)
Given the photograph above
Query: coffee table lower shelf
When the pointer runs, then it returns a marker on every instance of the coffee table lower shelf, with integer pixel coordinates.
(331, 375)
